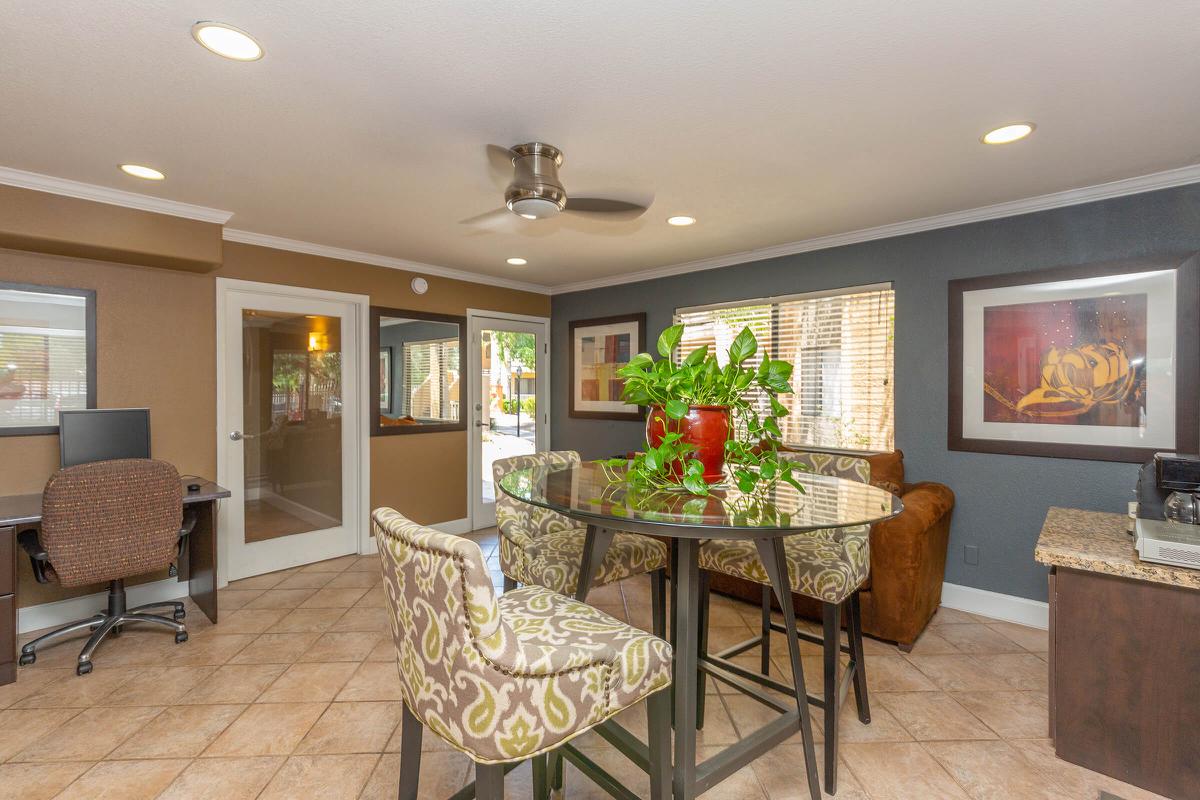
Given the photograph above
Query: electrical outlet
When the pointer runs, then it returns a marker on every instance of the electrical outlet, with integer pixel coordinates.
(971, 554)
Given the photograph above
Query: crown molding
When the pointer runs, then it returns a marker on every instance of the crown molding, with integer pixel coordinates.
(116, 197)
(342, 254)
(1088, 194)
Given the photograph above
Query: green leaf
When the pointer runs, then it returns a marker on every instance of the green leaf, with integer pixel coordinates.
(695, 485)
(772, 427)
(695, 357)
(744, 346)
(778, 409)
(676, 409)
(745, 481)
(694, 467)
(651, 460)
(668, 339)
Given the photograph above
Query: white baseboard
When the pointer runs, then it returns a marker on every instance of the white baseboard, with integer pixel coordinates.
(456, 526)
(1005, 607)
(60, 612)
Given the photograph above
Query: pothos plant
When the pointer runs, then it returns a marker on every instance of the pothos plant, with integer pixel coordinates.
(699, 379)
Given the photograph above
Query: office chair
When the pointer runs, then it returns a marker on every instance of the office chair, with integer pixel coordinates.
(107, 521)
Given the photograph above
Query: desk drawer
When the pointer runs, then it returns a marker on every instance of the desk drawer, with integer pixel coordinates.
(8, 554)
(8, 630)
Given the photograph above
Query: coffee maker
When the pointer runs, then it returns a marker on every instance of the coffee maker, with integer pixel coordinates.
(1158, 538)
(1161, 475)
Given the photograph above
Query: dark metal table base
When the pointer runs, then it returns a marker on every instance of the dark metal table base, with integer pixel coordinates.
(692, 779)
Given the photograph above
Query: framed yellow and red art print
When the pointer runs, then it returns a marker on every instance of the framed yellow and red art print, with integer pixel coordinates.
(1098, 361)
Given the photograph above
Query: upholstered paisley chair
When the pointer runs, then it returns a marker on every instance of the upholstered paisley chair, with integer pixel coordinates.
(508, 679)
(539, 547)
(829, 566)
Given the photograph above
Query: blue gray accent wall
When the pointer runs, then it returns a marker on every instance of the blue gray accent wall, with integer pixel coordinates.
(1002, 500)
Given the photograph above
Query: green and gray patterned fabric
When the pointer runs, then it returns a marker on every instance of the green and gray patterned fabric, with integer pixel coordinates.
(851, 468)
(539, 547)
(503, 679)
(827, 565)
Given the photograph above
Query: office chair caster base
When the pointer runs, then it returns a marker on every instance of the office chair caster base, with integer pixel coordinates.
(181, 637)
(26, 659)
(180, 616)
(83, 668)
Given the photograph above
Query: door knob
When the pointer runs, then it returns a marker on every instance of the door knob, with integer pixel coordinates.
(237, 436)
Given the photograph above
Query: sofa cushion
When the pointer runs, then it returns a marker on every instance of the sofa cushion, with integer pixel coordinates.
(887, 471)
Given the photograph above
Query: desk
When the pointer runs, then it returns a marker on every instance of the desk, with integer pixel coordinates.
(198, 564)
(1124, 696)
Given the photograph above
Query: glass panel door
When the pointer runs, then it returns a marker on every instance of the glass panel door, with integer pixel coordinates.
(510, 413)
(291, 436)
(292, 414)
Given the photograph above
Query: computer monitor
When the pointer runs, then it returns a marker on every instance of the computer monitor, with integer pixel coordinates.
(103, 434)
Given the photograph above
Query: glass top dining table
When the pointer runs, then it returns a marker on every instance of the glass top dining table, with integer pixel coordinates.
(596, 495)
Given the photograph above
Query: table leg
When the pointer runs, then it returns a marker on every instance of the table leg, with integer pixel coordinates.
(595, 546)
(202, 559)
(686, 598)
(775, 561)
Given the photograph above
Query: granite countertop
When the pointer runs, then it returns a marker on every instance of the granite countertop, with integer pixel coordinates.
(1096, 541)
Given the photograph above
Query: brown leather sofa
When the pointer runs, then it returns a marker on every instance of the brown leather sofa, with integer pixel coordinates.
(908, 560)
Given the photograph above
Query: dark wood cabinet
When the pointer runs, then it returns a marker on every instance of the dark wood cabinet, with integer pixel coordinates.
(8, 605)
(1125, 679)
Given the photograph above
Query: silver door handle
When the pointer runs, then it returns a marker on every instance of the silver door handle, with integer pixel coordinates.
(237, 436)
(478, 424)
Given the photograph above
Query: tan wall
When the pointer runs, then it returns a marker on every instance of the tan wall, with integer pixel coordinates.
(156, 347)
(68, 226)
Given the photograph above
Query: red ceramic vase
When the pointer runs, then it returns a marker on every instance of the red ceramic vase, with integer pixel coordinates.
(705, 427)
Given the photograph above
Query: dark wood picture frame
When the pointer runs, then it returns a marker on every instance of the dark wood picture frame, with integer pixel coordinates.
(1187, 350)
(377, 429)
(640, 319)
(391, 398)
(89, 296)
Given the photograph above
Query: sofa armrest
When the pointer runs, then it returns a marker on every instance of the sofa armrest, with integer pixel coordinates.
(908, 561)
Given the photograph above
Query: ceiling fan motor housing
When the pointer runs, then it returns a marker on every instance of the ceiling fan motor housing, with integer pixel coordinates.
(536, 191)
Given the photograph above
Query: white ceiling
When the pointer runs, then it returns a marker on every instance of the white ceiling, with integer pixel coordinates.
(364, 126)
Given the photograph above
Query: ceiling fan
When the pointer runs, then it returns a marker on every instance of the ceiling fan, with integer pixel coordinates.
(535, 191)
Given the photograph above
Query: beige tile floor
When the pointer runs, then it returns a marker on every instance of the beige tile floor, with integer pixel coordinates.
(296, 695)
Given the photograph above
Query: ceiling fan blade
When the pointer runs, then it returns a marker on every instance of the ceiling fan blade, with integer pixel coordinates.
(500, 164)
(496, 218)
(611, 209)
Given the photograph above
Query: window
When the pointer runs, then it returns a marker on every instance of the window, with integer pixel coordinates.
(840, 344)
(47, 356)
(431, 379)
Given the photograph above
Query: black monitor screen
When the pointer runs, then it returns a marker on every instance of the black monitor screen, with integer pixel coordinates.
(102, 434)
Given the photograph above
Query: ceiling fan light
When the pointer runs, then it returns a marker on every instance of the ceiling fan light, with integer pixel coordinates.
(533, 207)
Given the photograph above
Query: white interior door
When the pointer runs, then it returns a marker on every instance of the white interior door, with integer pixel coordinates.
(291, 426)
(509, 398)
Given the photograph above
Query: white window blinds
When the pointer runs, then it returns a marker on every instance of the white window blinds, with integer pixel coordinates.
(431, 379)
(841, 346)
(43, 356)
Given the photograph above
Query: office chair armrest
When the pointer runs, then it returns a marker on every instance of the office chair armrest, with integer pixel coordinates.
(189, 524)
(39, 559)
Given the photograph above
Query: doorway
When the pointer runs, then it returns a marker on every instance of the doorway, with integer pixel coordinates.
(509, 391)
(291, 437)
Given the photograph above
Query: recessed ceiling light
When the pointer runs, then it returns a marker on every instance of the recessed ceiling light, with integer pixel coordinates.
(517, 262)
(138, 171)
(228, 41)
(1009, 133)
(681, 220)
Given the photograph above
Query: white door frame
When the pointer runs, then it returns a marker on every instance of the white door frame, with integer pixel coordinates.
(474, 367)
(355, 518)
